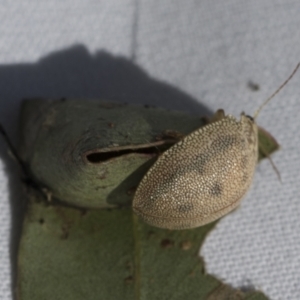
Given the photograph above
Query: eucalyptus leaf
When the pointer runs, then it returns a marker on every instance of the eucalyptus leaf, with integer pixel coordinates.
(68, 253)
(93, 153)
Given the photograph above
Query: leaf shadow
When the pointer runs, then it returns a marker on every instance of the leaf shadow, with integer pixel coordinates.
(74, 73)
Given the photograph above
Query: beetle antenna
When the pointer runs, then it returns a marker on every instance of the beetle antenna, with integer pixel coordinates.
(277, 91)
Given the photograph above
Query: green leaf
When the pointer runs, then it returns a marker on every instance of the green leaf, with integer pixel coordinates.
(267, 143)
(94, 153)
(67, 253)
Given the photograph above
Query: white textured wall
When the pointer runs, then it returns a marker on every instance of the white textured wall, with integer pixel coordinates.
(208, 50)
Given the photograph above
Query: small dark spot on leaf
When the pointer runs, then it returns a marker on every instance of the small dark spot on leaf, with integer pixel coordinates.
(83, 212)
(129, 266)
(150, 234)
(41, 221)
(128, 280)
(166, 243)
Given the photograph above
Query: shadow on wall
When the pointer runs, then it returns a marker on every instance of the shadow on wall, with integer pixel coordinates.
(74, 73)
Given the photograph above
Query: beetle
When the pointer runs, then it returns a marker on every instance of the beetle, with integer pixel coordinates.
(204, 176)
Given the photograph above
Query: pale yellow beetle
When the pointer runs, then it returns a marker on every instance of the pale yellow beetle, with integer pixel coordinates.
(202, 177)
